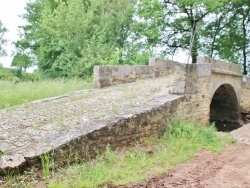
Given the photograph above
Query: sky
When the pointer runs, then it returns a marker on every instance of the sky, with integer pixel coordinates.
(9, 16)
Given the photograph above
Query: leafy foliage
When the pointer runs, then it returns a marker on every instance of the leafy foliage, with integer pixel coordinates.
(70, 37)
(21, 61)
(227, 34)
(218, 29)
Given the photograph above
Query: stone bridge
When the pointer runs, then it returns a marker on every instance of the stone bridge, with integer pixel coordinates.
(214, 91)
(75, 125)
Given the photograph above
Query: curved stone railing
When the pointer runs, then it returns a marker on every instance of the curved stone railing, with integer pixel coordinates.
(221, 66)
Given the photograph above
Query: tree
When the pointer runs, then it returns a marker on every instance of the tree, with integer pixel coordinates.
(21, 61)
(186, 22)
(175, 25)
(70, 37)
(242, 13)
(218, 29)
(227, 35)
(145, 38)
(3, 30)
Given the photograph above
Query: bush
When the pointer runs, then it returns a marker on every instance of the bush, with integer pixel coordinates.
(8, 74)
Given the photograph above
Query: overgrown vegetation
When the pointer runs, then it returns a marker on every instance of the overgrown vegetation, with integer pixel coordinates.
(180, 142)
(14, 93)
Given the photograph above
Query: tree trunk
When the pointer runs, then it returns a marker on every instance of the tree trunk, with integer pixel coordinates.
(194, 43)
(244, 46)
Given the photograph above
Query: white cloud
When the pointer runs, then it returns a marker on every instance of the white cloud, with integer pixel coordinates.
(10, 10)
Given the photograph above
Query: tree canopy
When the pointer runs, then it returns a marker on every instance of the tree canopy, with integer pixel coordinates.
(218, 29)
(70, 37)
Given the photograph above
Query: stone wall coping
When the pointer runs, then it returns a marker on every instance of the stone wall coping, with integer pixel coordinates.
(222, 65)
(124, 66)
(219, 71)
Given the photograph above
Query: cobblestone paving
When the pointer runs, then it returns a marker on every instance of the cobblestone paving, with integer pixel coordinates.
(32, 129)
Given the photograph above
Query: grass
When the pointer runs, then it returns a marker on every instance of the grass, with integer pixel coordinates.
(180, 142)
(22, 92)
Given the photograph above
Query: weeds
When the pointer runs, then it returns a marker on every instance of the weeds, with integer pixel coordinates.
(46, 165)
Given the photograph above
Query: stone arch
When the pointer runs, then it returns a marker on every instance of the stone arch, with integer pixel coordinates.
(224, 108)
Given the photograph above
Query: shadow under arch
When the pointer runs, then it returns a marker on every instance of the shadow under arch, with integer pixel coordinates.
(224, 109)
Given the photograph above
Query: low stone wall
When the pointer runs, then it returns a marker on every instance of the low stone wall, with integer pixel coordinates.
(112, 75)
(190, 100)
(105, 76)
(191, 80)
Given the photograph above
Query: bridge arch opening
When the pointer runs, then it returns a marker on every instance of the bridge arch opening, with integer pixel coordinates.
(224, 109)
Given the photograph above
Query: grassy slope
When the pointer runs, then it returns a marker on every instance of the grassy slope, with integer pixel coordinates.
(13, 91)
(21, 92)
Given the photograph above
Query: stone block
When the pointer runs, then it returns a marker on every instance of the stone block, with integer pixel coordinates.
(203, 70)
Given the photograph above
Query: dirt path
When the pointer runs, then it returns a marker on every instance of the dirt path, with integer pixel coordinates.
(229, 169)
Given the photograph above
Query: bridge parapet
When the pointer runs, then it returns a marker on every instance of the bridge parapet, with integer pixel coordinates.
(105, 76)
(221, 67)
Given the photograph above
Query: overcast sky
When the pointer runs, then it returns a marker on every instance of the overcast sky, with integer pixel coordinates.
(9, 16)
